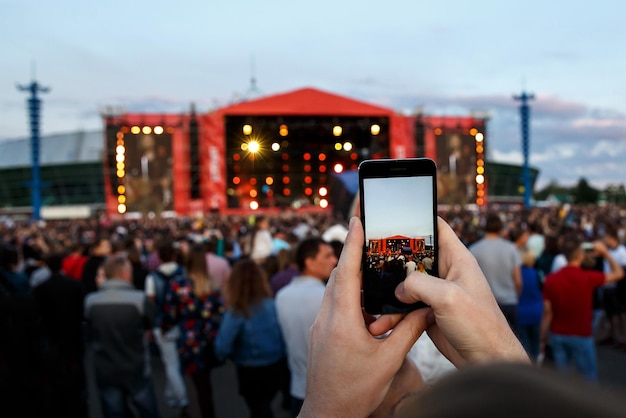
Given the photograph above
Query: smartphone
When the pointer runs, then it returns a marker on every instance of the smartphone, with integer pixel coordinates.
(398, 202)
(587, 246)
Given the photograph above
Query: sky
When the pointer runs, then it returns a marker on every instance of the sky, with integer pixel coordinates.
(445, 57)
(398, 206)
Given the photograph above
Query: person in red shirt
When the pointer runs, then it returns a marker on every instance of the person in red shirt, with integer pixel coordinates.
(568, 307)
(74, 262)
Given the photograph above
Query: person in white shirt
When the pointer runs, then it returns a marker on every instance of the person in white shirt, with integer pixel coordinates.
(298, 304)
(262, 241)
(615, 318)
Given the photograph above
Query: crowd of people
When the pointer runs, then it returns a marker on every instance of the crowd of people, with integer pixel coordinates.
(199, 292)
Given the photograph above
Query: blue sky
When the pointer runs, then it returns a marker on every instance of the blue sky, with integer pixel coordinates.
(398, 206)
(445, 57)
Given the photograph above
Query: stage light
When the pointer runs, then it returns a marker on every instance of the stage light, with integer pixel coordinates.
(253, 181)
(135, 130)
(307, 168)
(337, 130)
(322, 168)
(254, 146)
(121, 189)
(254, 205)
(308, 180)
(236, 180)
(323, 203)
(354, 156)
(121, 208)
(121, 173)
(120, 142)
(120, 158)
(479, 201)
(480, 193)
(323, 191)
(375, 129)
(480, 163)
(283, 131)
(121, 199)
(120, 149)
(146, 130)
(275, 146)
(236, 157)
(479, 137)
(119, 136)
(347, 146)
(480, 179)
(244, 146)
(269, 181)
(322, 157)
(308, 191)
(480, 170)
(121, 166)
(285, 167)
(479, 149)
(247, 129)
(473, 131)
(438, 131)
(338, 168)
(253, 193)
(286, 192)
(158, 130)
(286, 179)
(338, 146)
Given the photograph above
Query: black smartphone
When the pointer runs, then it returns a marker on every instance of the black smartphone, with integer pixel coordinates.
(398, 201)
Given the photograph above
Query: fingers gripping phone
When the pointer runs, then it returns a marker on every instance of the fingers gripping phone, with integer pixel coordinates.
(399, 214)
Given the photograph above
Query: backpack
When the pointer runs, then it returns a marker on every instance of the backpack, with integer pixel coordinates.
(162, 284)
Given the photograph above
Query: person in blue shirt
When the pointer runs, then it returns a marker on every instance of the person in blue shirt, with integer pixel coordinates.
(251, 337)
(530, 306)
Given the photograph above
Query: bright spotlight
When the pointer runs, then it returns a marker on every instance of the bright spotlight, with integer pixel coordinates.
(275, 146)
(254, 146)
(121, 208)
(323, 191)
(247, 129)
(480, 179)
(347, 146)
(146, 130)
(135, 130)
(338, 168)
(254, 205)
(158, 130)
(375, 129)
(323, 203)
(337, 130)
(479, 137)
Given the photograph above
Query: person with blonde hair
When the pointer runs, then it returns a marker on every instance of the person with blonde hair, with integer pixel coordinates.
(251, 337)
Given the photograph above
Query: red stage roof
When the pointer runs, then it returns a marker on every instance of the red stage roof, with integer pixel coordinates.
(306, 102)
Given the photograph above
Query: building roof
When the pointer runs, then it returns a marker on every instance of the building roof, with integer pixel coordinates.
(65, 148)
(306, 101)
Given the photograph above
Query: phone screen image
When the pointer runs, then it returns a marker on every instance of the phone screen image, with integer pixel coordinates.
(399, 214)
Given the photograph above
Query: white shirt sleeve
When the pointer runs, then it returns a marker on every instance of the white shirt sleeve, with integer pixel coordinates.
(149, 286)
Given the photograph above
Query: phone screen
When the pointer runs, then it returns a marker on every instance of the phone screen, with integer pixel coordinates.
(399, 214)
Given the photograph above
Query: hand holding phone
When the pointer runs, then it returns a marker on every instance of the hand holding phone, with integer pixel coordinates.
(398, 211)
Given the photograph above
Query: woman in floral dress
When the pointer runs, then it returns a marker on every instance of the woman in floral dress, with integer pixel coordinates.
(193, 302)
